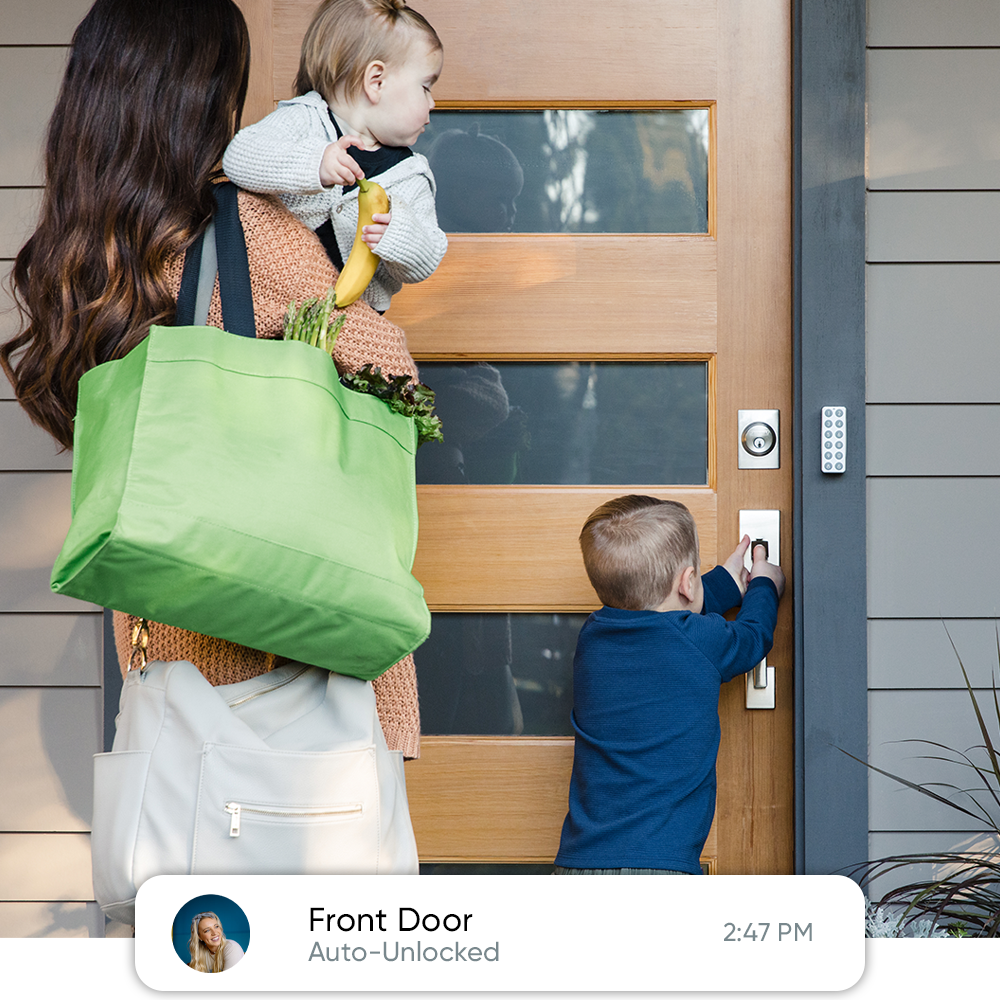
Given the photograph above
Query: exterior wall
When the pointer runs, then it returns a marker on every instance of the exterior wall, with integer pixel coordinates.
(50, 647)
(933, 398)
(933, 415)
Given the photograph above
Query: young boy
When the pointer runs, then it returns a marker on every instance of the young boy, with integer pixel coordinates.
(646, 680)
(364, 87)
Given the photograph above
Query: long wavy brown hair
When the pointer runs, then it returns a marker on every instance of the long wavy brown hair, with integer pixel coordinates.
(152, 95)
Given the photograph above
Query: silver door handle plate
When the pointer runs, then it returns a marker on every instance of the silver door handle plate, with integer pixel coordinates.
(762, 526)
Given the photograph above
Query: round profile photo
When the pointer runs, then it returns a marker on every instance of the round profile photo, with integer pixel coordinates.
(210, 933)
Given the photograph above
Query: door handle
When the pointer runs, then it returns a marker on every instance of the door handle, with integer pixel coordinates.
(763, 526)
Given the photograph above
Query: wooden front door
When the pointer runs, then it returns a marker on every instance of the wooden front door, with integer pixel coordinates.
(714, 294)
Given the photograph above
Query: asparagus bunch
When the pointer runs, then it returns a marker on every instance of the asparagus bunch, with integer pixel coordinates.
(311, 324)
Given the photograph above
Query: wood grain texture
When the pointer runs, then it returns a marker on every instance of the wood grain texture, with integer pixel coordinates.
(559, 50)
(515, 547)
(259, 15)
(755, 810)
(564, 295)
(460, 784)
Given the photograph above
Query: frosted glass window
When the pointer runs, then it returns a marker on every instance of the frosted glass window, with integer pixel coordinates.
(570, 170)
(569, 423)
(498, 674)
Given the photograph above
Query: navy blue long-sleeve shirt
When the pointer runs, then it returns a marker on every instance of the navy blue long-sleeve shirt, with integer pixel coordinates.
(646, 718)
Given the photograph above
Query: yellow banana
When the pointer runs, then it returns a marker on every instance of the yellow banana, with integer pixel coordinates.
(361, 263)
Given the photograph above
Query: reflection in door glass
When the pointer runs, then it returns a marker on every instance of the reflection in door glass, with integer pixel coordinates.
(498, 674)
(570, 170)
(569, 423)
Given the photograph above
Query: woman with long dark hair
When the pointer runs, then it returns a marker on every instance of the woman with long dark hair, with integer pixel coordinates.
(152, 95)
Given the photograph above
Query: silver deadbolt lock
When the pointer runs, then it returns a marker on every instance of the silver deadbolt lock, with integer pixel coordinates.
(758, 438)
(758, 430)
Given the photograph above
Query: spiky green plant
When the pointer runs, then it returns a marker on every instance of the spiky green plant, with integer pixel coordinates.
(966, 900)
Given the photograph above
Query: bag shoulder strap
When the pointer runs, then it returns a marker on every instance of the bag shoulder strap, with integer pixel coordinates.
(233, 264)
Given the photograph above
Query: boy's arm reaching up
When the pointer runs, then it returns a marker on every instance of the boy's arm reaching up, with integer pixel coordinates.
(720, 593)
(725, 585)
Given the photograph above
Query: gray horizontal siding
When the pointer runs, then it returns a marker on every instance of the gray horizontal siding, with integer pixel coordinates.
(8, 320)
(931, 22)
(933, 545)
(882, 845)
(48, 737)
(933, 440)
(34, 519)
(933, 226)
(934, 120)
(898, 720)
(45, 866)
(52, 22)
(33, 74)
(933, 414)
(18, 211)
(51, 647)
(51, 650)
(26, 447)
(55, 920)
(917, 653)
(933, 333)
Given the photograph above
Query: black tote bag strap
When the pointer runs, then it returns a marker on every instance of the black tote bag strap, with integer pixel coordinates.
(234, 268)
(188, 295)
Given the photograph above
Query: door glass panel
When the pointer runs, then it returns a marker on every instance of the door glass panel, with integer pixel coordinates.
(569, 423)
(498, 674)
(570, 170)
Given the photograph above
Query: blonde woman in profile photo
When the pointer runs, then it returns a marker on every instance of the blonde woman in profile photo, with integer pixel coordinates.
(211, 950)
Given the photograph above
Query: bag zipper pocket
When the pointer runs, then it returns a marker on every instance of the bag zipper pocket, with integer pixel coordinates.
(235, 810)
(267, 690)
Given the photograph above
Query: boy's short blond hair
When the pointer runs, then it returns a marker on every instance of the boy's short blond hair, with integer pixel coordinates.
(634, 547)
(345, 36)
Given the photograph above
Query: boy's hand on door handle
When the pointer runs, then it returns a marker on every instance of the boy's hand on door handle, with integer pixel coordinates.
(761, 567)
(735, 565)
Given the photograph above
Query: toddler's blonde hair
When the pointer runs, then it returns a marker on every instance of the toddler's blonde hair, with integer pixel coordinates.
(345, 36)
(635, 546)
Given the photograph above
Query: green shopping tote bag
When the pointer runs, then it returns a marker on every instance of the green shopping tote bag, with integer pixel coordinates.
(234, 487)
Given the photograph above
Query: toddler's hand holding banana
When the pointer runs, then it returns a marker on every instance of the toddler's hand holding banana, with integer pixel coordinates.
(361, 263)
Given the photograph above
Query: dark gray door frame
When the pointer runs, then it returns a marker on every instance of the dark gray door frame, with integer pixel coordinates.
(831, 629)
